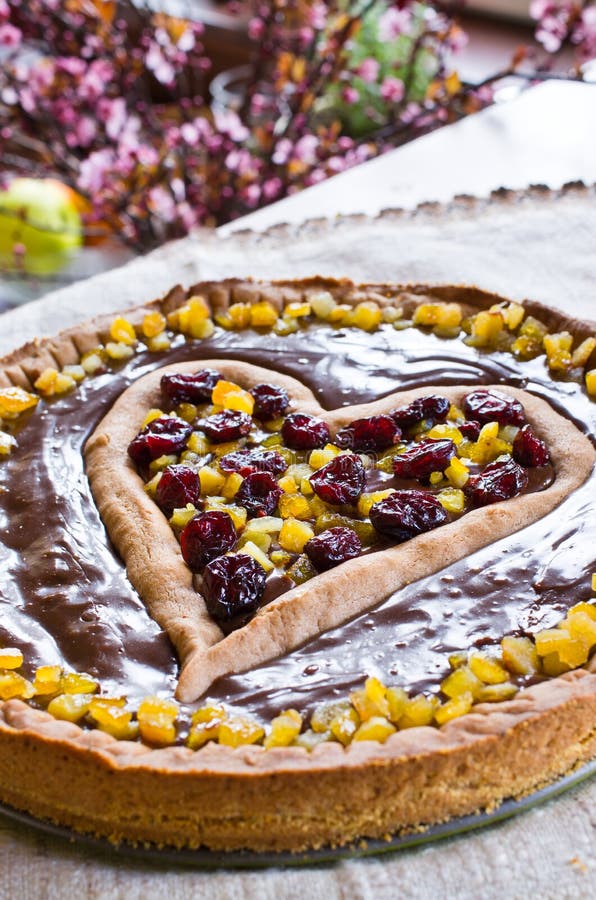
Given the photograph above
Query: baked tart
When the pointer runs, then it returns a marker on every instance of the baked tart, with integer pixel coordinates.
(288, 564)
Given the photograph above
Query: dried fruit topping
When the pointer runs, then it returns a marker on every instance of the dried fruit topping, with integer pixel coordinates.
(404, 514)
(374, 433)
(177, 486)
(431, 407)
(500, 480)
(228, 425)
(207, 536)
(251, 460)
(233, 586)
(424, 458)
(271, 401)
(332, 547)
(470, 430)
(340, 481)
(529, 450)
(491, 406)
(160, 437)
(258, 494)
(303, 432)
(197, 388)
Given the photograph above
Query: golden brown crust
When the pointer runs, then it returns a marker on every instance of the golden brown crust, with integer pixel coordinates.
(280, 799)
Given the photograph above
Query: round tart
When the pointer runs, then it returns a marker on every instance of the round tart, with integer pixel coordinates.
(289, 564)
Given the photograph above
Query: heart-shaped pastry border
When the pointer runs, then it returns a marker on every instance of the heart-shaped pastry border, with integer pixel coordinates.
(146, 543)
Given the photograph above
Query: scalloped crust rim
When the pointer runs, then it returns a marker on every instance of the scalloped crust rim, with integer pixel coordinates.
(286, 798)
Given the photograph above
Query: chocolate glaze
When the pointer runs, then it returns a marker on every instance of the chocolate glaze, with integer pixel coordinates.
(65, 598)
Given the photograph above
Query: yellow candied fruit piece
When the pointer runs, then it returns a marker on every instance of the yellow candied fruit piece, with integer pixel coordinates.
(392, 314)
(7, 443)
(591, 382)
(114, 720)
(162, 462)
(211, 480)
(284, 729)
(157, 718)
(14, 401)
(294, 506)
(520, 655)
(151, 486)
(237, 514)
(52, 382)
(280, 558)
(324, 714)
(368, 315)
(588, 608)
(229, 395)
(78, 683)
(455, 414)
(288, 485)
(239, 315)
(258, 555)
(323, 455)
(418, 711)
(118, 350)
(494, 693)
(201, 733)
(154, 323)
(77, 373)
(445, 430)
(47, 680)
(486, 329)
(371, 700)
(11, 658)
(344, 725)
(454, 708)
(367, 501)
(436, 478)
(457, 659)
(187, 411)
(14, 685)
(285, 326)
(443, 316)
(197, 443)
(488, 446)
(488, 669)
(93, 361)
(558, 350)
(297, 310)
(151, 416)
(263, 314)
(294, 535)
(263, 541)
(580, 626)
(452, 499)
(122, 331)
(238, 730)
(457, 473)
(70, 707)
(307, 489)
(552, 665)
(232, 485)
(397, 698)
(310, 739)
(207, 714)
(322, 304)
(182, 515)
(513, 313)
(377, 728)
(191, 316)
(570, 650)
(461, 681)
(583, 352)
(159, 343)
(266, 524)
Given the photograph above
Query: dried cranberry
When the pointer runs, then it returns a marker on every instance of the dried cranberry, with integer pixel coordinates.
(271, 401)
(177, 486)
(341, 480)
(491, 406)
(405, 514)
(529, 450)
(303, 432)
(168, 434)
(498, 481)
(258, 494)
(179, 388)
(228, 425)
(332, 547)
(207, 536)
(374, 433)
(431, 407)
(423, 458)
(251, 460)
(233, 586)
(470, 430)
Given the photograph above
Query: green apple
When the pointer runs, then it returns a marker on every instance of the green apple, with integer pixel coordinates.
(42, 216)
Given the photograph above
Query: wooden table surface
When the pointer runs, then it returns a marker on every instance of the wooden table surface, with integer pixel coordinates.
(547, 135)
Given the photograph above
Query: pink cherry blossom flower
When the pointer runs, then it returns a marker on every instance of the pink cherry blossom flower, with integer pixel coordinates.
(368, 70)
(393, 23)
(305, 149)
(10, 36)
(392, 89)
(350, 95)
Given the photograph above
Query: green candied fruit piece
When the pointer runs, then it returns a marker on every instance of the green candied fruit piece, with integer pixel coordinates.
(364, 530)
(302, 570)
(385, 460)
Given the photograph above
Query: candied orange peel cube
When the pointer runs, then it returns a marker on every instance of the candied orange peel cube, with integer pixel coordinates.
(236, 731)
(13, 685)
(47, 680)
(78, 683)
(157, 718)
(377, 728)
(70, 707)
(14, 401)
(371, 700)
(520, 655)
(488, 669)
(154, 323)
(263, 314)
(454, 708)
(11, 658)
(294, 534)
(418, 711)
(284, 729)
(122, 331)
